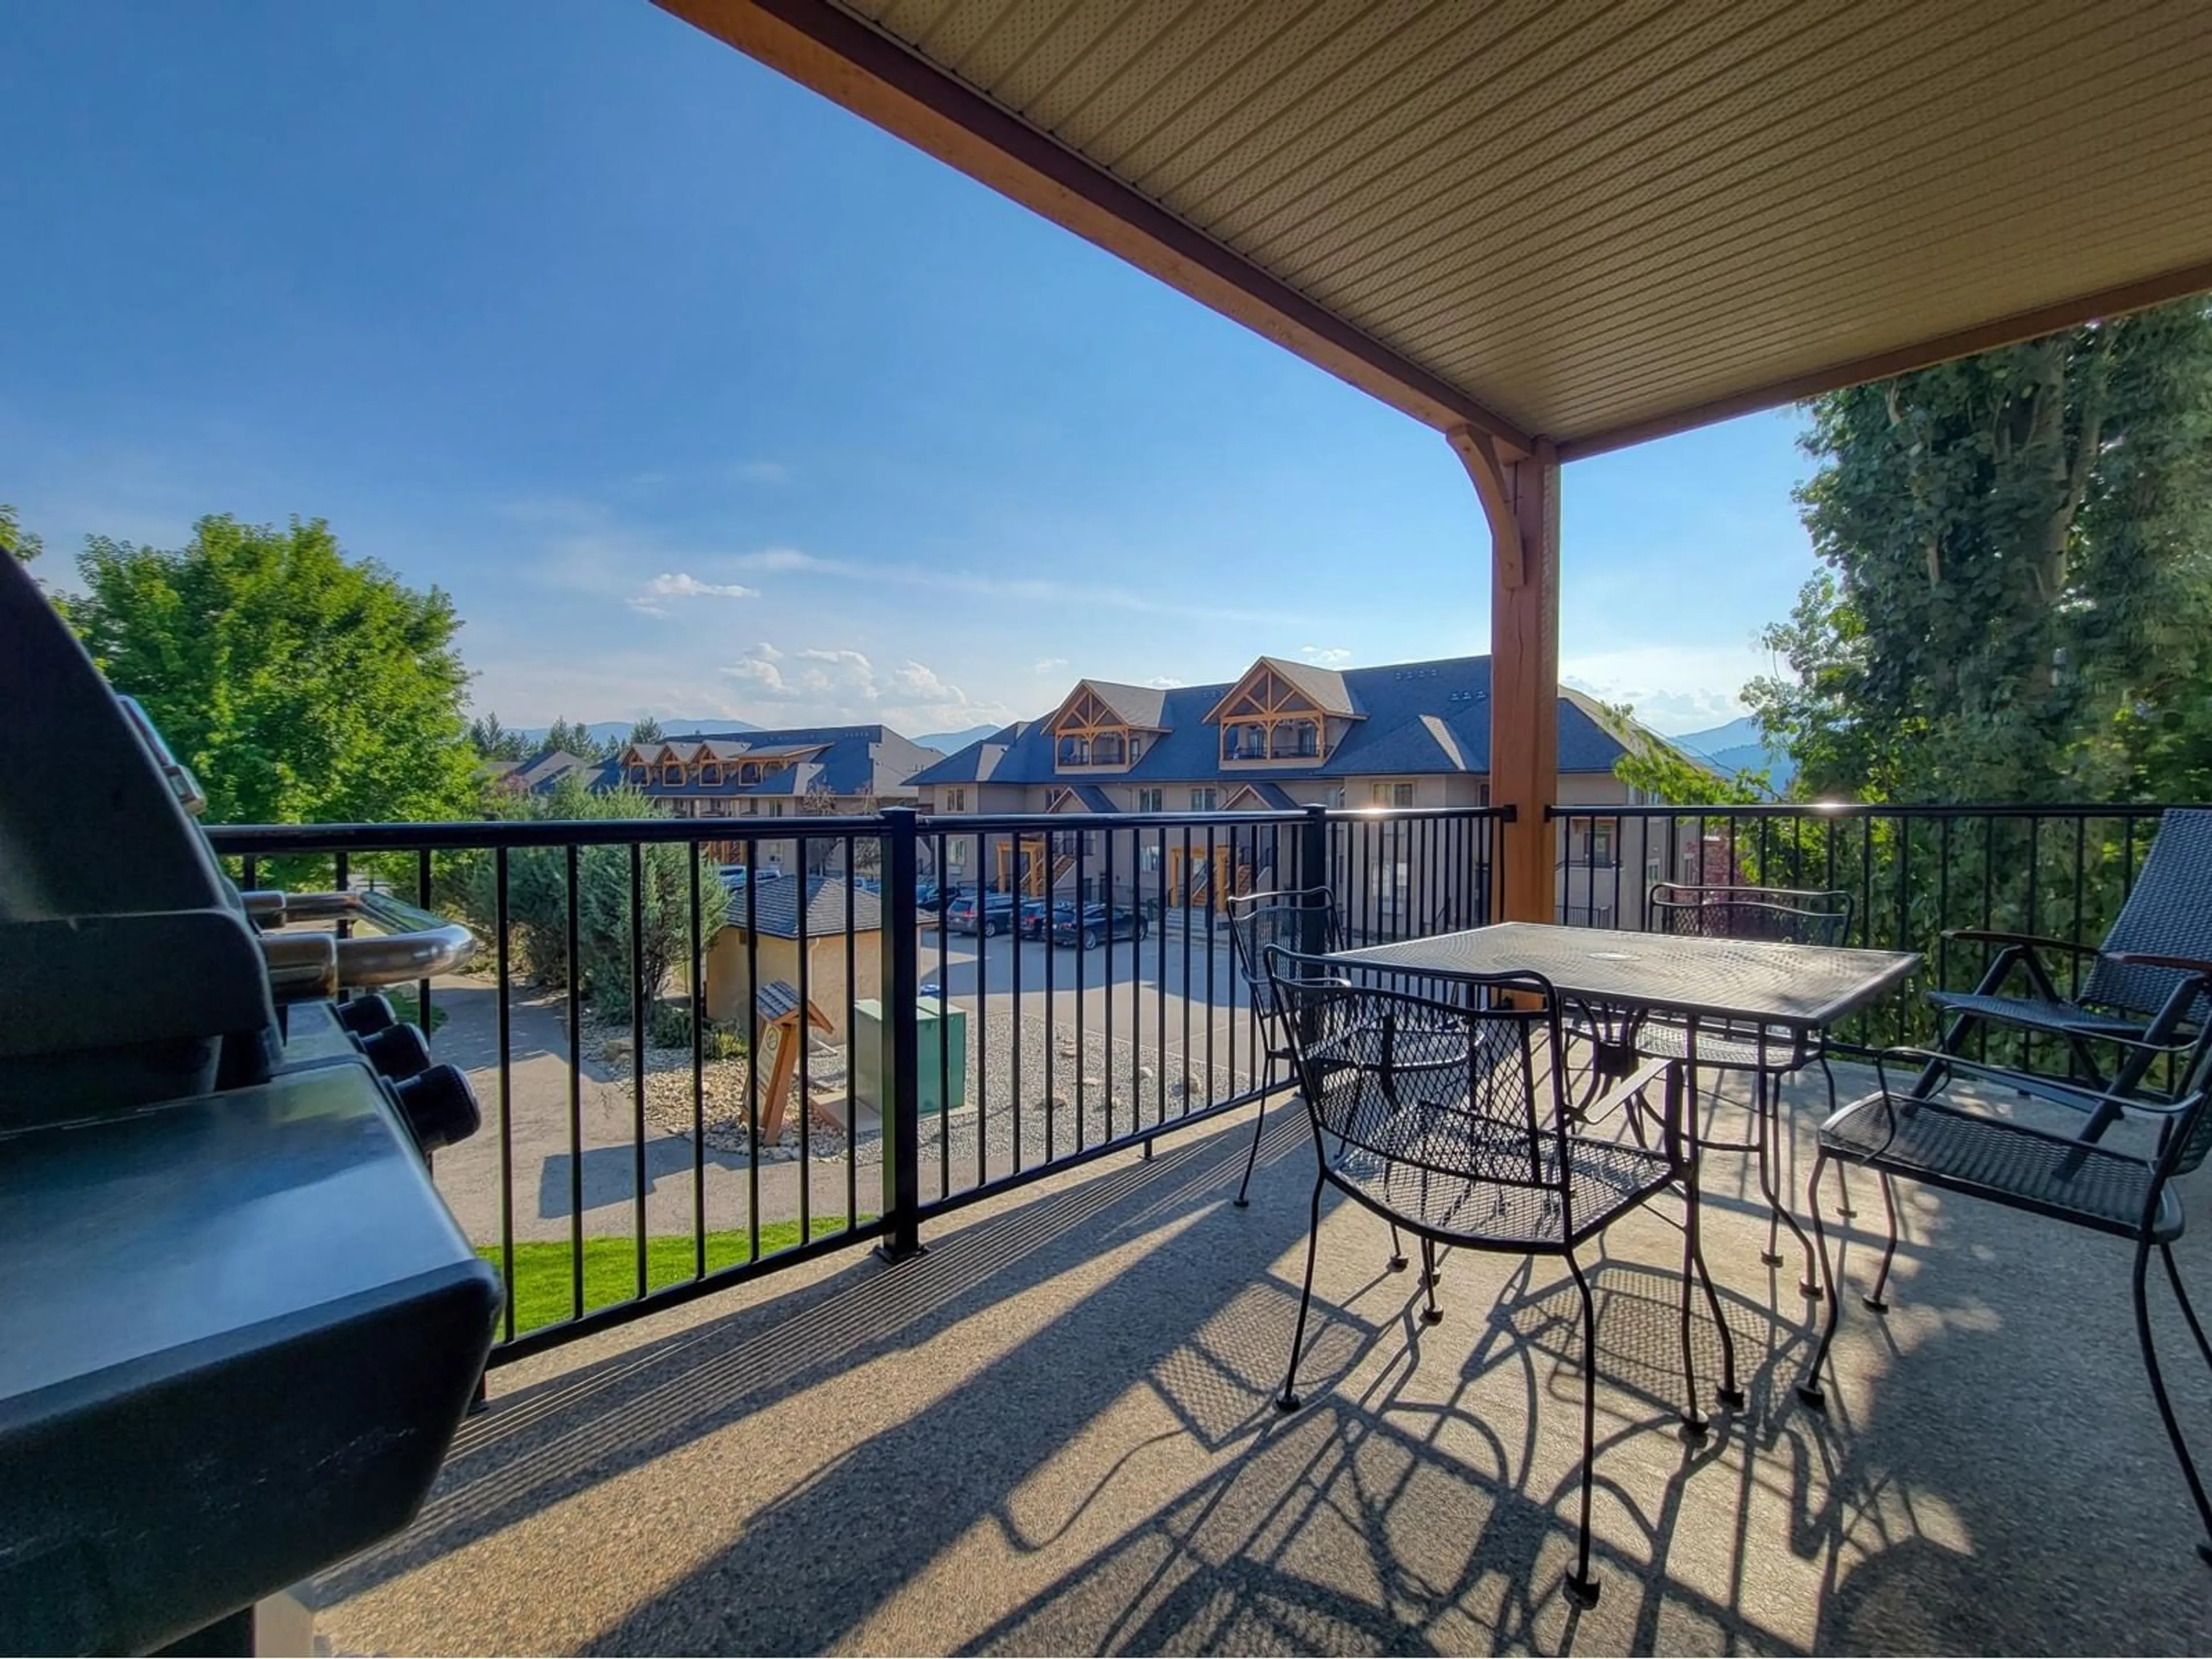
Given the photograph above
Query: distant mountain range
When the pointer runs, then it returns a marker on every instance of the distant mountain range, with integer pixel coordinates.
(950, 743)
(1737, 747)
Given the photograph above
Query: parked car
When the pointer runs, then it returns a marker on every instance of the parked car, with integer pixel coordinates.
(1097, 923)
(989, 916)
(1037, 916)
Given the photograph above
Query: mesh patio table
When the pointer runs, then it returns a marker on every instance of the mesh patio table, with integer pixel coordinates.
(1801, 989)
(1769, 997)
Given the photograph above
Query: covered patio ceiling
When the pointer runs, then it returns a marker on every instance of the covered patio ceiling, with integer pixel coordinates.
(1595, 222)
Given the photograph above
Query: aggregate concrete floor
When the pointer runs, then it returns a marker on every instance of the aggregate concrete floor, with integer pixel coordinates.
(1053, 1432)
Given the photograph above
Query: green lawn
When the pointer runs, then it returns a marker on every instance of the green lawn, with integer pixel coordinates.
(544, 1291)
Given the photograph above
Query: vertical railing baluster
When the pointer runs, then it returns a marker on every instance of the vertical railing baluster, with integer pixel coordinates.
(698, 977)
(901, 1067)
(574, 976)
(422, 986)
(753, 1052)
(637, 999)
(502, 952)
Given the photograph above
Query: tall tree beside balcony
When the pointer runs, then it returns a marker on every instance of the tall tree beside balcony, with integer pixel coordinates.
(300, 685)
(2019, 598)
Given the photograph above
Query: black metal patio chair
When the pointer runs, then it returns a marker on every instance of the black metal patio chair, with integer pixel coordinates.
(1931, 1136)
(2137, 1003)
(1451, 1121)
(1767, 1056)
(1298, 919)
(1301, 919)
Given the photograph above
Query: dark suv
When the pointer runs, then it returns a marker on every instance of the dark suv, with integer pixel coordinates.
(991, 915)
(1097, 923)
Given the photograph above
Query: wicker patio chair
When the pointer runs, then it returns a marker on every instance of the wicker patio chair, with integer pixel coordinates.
(1451, 1121)
(1930, 1136)
(2138, 1002)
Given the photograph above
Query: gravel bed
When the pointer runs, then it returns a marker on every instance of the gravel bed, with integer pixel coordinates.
(1076, 1090)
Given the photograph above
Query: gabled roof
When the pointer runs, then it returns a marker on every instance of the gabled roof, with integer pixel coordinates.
(1410, 719)
(1324, 688)
(1139, 706)
(773, 906)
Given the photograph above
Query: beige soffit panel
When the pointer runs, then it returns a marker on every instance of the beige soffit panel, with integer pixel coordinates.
(1593, 219)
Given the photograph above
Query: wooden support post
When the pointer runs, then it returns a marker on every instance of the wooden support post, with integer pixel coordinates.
(1521, 499)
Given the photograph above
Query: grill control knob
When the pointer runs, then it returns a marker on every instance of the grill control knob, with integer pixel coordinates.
(364, 1016)
(440, 1107)
(397, 1052)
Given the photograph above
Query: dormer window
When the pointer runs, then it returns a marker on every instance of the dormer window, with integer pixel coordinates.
(1294, 741)
(641, 775)
(1281, 711)
(749, 773)
(1108, 749)
(710, 774)
(1074, 751)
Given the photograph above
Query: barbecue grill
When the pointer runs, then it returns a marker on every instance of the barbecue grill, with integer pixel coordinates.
(240, 1326)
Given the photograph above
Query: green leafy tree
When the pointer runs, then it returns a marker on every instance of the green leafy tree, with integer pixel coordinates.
(300, 685)
(2019, 602)
(537, 899)
(25, 545)
(1664, 773)
(646, 729)
(574, 738)
(494, 741)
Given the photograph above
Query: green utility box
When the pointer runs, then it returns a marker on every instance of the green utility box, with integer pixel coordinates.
(944, 1044)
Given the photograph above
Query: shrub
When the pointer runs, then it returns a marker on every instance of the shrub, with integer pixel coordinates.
(537, 900)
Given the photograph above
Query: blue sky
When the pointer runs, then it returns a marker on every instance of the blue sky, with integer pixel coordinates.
(704, 398)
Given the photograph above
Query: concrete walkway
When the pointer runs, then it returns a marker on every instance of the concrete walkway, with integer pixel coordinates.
(533, 1163)
(1053, 1432)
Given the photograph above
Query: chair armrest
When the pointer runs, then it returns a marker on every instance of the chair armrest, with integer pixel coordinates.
(2033, 941)
(2056, 1090)
(2145, 959)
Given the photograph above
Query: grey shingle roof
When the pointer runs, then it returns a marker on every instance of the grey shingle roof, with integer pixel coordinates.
(1418, 718)
(775, 907)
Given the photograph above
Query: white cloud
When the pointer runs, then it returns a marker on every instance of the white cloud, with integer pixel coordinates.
(825, 686)
(1163, 683)
(1674, 688)
(1325, 656)
(782, 558)
(1045, 664)
(654, 600)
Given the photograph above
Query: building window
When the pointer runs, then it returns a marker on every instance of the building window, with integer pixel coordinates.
(775, 809)
(1204, 800)
(1294, 739)
(1108, 749)
(1148, 801)
(1600, 843)
(749, 773)
(1394, 795)
(1148, 859)
(640, 775)
(1074, 751)
(711, 774)
(1244, 742)
(1136, 746)
(955, 800)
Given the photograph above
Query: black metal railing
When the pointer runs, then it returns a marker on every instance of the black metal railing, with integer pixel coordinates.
(691, 1078)
(1914, 874)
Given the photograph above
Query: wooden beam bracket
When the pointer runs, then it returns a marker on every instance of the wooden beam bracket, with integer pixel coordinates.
(1477, 453)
